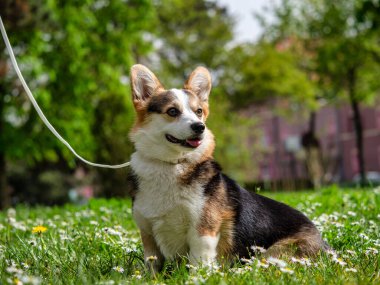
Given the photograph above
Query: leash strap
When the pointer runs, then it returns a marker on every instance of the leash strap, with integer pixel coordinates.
(39, 111)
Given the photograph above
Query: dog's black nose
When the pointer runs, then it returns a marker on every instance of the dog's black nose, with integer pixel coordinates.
(198, 127)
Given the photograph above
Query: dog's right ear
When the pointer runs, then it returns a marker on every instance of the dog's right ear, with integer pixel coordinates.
(200, 83)
(144, 83)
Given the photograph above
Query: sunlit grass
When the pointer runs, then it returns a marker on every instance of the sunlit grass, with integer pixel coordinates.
(99, 244)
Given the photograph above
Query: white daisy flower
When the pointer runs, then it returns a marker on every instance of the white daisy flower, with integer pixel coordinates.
(371, 250)
(339, 261)
(278, 262)
(258, 249)
(118, 269)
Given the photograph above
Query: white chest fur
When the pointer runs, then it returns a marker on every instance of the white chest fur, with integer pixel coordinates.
(163, 207)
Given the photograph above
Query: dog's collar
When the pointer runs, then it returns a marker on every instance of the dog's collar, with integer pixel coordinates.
(176, 161)
(170, 162)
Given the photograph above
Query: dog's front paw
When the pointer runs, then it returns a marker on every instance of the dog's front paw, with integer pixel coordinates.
(203, 250)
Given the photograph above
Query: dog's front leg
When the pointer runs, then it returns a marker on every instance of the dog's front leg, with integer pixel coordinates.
(154, 260)
(203, 248)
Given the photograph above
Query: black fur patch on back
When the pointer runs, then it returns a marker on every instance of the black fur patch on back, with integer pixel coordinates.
(213, 185)
(259, 220)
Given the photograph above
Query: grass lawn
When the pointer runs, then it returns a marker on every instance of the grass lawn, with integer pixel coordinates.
(99, 244)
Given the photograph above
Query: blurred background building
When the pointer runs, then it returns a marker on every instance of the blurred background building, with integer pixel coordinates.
(284, 161)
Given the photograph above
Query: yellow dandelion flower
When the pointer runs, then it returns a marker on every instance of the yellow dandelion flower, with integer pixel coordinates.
(16, 281)
(39, 229)
(287, 270)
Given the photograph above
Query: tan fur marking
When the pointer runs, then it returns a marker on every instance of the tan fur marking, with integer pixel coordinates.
(141, 107)
(225, 245)
(151, 249)
(218, 218)
(202, 172)
(206, 110)
(149, 242)
(141, 114)
(209, 152)
(306, 242)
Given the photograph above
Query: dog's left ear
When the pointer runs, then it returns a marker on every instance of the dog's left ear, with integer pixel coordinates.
(144, 83)
(200, 83)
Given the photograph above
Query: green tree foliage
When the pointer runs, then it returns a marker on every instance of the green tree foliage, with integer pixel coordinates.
(190, 33)
(76, 58)
(264, 71)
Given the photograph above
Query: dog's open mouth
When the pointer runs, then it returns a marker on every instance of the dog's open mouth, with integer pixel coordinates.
(192, 142)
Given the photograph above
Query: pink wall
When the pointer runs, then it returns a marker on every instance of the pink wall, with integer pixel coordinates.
(335, 130)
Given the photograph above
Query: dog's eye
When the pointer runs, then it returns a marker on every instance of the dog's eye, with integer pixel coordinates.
(173, 112)
(199, 112)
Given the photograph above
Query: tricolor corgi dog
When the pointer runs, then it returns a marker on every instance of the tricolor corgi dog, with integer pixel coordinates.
(183, 204)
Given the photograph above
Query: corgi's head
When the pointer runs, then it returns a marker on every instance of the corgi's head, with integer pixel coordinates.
(171, 123)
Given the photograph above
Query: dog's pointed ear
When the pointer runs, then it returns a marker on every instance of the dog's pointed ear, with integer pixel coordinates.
(144, 83)
(200, 83)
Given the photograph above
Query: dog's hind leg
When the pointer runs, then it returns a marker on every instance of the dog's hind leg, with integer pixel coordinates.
(306, 242)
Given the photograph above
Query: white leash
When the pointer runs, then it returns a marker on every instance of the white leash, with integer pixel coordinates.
(39, 111)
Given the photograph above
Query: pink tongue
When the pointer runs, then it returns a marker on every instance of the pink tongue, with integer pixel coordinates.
(194, 143)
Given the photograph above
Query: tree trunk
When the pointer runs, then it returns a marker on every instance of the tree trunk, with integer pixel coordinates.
(358, 125)
(312, 123)
(5, 201)
(277, 154)
(312, 148)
